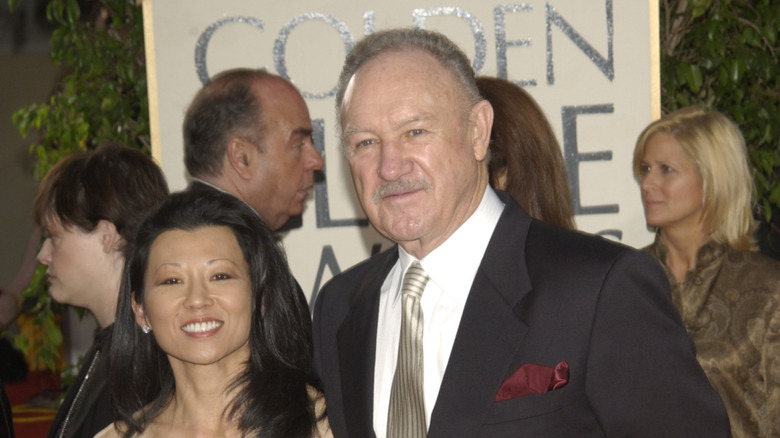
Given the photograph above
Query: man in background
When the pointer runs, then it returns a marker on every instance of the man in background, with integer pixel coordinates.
(248, 132)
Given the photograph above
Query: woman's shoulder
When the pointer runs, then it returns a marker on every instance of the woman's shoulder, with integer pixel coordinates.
(750, 282)
(753, 265)
(109, 432)
(323, 426)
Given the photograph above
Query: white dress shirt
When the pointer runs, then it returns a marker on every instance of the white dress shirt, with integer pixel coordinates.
(451, 268)
(208, 184)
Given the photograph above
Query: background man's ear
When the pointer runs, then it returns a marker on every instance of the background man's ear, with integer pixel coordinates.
(239, 155)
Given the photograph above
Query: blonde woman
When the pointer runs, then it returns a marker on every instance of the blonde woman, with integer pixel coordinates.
(697, 194)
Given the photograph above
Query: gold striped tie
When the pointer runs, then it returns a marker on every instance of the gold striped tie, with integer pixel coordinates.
(406, 418)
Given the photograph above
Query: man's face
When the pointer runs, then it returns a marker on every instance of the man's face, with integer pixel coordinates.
(414, 148)
(284, 170)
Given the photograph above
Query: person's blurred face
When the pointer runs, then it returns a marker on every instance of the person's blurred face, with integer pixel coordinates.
(198, 296)
(671, 186)
(416, 166)
(76, 262)
(287, 157)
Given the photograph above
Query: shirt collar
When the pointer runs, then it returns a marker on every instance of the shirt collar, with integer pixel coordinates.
(209, 184)
(228, 193)
(453, 265)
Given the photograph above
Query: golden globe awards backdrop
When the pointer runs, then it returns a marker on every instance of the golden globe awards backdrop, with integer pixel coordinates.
(592, 65)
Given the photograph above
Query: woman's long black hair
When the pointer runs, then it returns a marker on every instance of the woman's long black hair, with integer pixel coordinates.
(272, 398)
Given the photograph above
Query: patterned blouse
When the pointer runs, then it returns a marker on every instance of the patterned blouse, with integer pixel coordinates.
(730, 304)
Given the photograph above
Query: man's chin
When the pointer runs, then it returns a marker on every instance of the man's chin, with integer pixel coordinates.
(297, 210)
(398, 232)
(293, 221)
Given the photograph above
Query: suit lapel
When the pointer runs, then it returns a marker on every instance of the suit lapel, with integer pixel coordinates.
(357, 349)
(489, 334)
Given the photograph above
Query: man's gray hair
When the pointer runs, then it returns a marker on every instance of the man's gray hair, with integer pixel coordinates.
(403, 39)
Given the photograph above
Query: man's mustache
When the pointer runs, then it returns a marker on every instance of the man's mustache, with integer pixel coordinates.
(393, 187)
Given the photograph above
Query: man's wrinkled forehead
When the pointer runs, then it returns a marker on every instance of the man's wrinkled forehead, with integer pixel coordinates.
(418, 66)
(359, 75)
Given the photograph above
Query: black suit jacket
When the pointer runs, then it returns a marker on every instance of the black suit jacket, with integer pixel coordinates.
(541, 295)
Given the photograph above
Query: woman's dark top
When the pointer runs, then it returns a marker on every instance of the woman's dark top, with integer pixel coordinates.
(87, 407)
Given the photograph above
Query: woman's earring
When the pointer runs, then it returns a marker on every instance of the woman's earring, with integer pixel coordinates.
(146, 328)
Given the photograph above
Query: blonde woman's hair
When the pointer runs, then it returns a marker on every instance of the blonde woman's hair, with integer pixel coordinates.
(716, 146)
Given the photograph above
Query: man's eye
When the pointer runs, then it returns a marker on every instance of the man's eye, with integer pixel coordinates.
(365, 143)
(416, 132)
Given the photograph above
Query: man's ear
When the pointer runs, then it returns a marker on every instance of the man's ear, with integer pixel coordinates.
(240, 154)
(110, 238)
(482, 123)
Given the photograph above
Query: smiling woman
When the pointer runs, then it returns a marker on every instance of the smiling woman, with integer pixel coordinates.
(215, 338)
(198, 295)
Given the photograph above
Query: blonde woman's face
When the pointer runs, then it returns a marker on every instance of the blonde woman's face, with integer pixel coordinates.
(671, 187)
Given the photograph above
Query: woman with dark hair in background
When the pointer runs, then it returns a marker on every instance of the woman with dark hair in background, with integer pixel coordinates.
(697, 193)
(89, 206)
(215, 340)
(525, 158)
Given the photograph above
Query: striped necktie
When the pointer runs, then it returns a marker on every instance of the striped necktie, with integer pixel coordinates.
(406, 418)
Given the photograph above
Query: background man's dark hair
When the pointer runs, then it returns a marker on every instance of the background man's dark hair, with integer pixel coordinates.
(226, 107)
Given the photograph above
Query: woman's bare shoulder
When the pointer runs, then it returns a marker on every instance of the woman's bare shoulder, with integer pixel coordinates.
(323, 427)
(109, 432)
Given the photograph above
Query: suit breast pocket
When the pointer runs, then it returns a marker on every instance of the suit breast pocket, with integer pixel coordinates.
(526, 407)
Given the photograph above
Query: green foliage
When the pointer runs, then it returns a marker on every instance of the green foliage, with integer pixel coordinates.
(101, 98)
(44, 309)
(724, 54)
(721, 53)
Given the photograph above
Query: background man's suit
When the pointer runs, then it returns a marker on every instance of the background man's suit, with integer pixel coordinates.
(603, 308)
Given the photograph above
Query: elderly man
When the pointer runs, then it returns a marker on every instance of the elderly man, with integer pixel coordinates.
(483, 322)
(248, 132)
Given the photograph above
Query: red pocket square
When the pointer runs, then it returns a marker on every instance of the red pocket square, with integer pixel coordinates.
(532, 379)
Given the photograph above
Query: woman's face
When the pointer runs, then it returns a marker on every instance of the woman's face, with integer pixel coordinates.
(76, 262)
(671, 187)
(198, 296)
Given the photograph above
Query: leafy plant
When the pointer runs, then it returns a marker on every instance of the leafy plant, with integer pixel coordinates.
(724, 54)
(46, 342)
(102, 98)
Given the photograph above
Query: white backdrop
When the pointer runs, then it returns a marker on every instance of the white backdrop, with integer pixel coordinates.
(592, 65)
